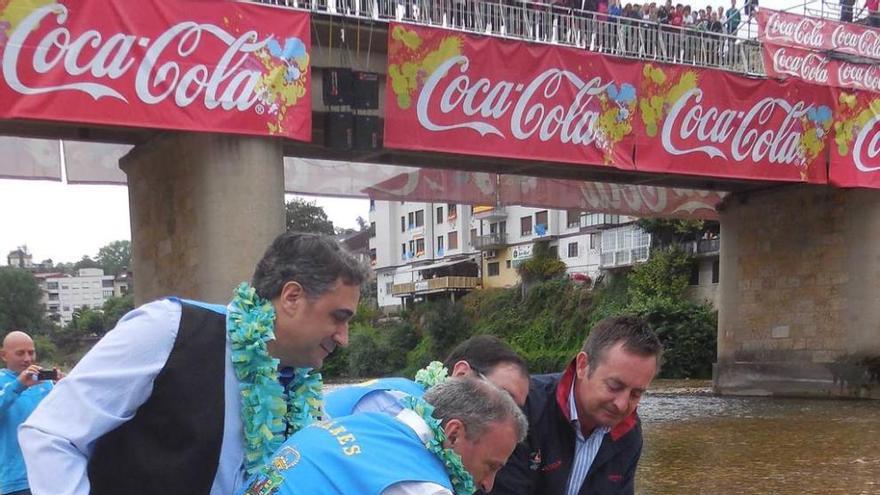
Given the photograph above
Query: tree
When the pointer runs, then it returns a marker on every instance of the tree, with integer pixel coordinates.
(306, 216)
(86, 262)
(115, 308)
(664, 277)
(20, 306)
(115, 257)
(362, 223)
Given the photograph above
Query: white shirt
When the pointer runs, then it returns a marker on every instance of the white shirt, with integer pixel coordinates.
(585, 449)
(105, 390)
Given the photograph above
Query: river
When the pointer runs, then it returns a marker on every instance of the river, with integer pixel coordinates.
(697, 443)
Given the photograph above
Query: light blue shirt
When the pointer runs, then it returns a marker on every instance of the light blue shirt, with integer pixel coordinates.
(585, 449)
(105, 390)
(17, 402)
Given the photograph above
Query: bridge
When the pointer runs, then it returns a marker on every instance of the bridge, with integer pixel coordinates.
(797, 205)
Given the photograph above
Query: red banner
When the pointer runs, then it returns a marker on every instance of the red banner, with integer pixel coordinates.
(709, 122)
(219, 66)
(452, 92)
(811, 33)
(818, 68)
(855, 151)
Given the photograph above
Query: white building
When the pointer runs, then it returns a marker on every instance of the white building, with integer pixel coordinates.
(420, 250)
(64, 295)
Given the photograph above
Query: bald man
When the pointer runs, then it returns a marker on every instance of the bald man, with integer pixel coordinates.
(20, 392)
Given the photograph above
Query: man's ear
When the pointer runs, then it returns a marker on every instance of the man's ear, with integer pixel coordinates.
(291, 298)
(461, 368)
(581, 365)
(455, 431)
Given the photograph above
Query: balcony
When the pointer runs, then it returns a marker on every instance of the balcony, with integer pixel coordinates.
(441, 284)
(543, 23)
(491, 241)
(490, 213)
(703, 246)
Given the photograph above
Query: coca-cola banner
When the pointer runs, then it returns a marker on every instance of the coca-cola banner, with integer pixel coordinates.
(812, 33)
(452, 92)
(218, 66)
(818, 68)
(855, 150)
(710, 122)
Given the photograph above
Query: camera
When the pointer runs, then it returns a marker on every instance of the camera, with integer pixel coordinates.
(47, 375)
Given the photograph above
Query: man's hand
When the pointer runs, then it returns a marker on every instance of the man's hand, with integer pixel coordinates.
(28, 377)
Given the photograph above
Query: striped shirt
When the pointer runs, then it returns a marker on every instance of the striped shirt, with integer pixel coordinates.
(585, 449)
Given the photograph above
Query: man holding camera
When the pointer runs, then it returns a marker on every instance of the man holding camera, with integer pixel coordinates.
(23, 385)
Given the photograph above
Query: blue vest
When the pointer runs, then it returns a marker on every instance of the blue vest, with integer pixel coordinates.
(341, 402)
(362, 454)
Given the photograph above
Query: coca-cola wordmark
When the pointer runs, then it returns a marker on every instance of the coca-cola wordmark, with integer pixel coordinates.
(785, 28)
(225, 67)
(818, 68)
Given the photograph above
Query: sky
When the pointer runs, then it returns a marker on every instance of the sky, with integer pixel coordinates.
(64, 222)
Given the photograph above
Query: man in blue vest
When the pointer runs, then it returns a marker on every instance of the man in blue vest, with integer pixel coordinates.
(397, 452)
(482, 356)
(585, 437)
(20, 392)
(159, 404)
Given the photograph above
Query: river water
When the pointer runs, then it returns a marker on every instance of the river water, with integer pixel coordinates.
(697, 443)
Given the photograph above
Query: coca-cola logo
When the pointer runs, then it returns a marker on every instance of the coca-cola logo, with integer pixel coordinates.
(648, 200)
(95, 63)
(809, 66)
(859, 76)
(794, 29)
(858, 41)
(764, 132)
(867, 146)
(452, 99)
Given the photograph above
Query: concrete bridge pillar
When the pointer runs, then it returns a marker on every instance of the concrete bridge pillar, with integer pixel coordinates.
(203, 209)
(799, 310)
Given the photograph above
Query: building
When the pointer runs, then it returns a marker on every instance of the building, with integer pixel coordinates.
(20, 258)
(63, 295)
(422, 251)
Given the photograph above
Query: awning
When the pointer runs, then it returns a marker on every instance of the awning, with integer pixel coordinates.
(439, 264)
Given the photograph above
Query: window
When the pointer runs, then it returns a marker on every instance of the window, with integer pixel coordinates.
(695, 274)
(554, 252)
(53, 297)
(108, 293)
(716, 271)
(453, 211)
(592, 241)
(411, 219)
(493, 228)
(494, 269)
(453, 239)
(525, 226)
(412, 247)
(65, 308)
(420, 218)
(63, 286)
(572, 249)
(573, 218)
(440, 245)
(508, 263)
(403, 250)
(403, 224)
(473, 236)
(373, 256)
(541, 223)
(52, 286)
(106, 283)
(502, 226)
(439, 215)
(420, 246)
(389, 287)
(372, 229)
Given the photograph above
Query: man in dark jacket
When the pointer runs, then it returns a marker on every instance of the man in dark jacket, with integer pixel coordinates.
(585, 436)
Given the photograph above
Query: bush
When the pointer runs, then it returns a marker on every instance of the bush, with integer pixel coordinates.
(665, 276)
(689, 335)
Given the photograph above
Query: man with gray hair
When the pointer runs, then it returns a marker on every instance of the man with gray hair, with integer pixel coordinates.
(189, 398)
(453, 440)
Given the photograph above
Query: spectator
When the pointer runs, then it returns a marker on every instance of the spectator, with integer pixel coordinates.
(846, 10)
(733, 18)
(873, 19)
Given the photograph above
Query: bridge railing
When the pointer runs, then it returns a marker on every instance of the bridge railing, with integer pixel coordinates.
(545, 23)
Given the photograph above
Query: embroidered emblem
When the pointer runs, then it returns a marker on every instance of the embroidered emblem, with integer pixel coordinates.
(553, 466)
(615, 478)
(286, 458)
(266, 482)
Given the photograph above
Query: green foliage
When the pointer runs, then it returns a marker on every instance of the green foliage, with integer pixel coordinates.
(86, 322)
(664, 277)
(47, 351)
(115, 257)
(20, 301)
(543, 265)
(367, 353)
(446, 324)
(689, 336)
(306, 216)
(115, 308)
(86, 262)
(665, 232)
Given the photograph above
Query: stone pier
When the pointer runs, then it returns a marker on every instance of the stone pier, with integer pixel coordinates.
(799, 310)
(203, 209)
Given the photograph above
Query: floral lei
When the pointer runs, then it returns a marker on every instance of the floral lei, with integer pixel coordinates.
(431, 375)
(267, 410)
(462, 481)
